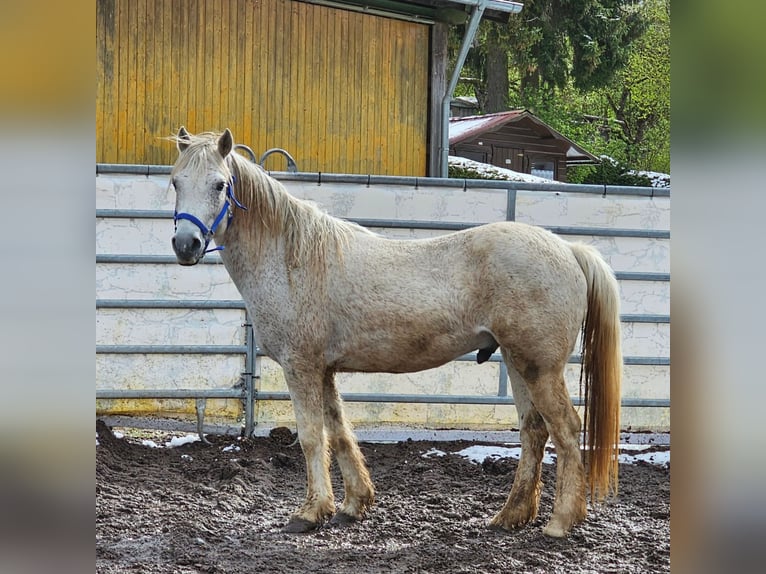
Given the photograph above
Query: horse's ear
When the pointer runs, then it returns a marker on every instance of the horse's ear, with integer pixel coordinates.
(225, 143)
(183, 137)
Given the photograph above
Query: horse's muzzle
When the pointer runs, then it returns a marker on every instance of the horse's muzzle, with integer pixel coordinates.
(188, 245)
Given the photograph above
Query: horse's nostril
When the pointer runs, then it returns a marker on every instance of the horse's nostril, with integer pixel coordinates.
(186, 245)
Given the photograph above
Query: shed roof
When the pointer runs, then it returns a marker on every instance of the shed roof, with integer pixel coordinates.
(469, 127)
(451, 11)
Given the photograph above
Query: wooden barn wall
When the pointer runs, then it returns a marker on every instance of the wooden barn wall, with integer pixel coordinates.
(342, 91)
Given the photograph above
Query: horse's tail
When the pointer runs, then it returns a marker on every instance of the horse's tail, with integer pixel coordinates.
(601, 370)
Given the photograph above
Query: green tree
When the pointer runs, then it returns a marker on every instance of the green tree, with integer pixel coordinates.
(639, 97)
(549, 44)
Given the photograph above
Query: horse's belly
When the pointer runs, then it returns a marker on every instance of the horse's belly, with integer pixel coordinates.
(408, 355)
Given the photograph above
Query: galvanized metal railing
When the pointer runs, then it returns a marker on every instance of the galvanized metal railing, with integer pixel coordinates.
(248, 392)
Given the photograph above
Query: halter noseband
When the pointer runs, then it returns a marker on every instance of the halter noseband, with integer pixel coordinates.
(225, 210)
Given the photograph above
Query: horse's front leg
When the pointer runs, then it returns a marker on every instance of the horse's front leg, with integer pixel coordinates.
(305, 385)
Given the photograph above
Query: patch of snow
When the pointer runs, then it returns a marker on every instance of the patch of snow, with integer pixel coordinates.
(458, 128)
(118, 434)
(635, 446)
(478, 453)
(494, 171)
(657, 178)
(186, 457)
(179, 441)
(149, 443)
(230, 448)
(434, 452)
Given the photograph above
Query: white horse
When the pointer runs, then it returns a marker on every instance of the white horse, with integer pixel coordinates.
(326, 295)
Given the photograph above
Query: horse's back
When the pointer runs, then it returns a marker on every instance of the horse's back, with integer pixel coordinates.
(413, 304)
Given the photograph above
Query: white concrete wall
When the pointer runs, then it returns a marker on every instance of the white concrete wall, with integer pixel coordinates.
(148, 281)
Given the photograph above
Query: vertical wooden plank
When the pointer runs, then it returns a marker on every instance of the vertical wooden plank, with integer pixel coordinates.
(288, 63)
(338, 88)
(107, 70)
(188, 66)
(260, 68)
(265, 75)
(323, 92)
(394, 143)
(301, 100)
(233, 73)
(166, 84)
(355, 108)
(121, 76)
(100, 75)
(151, 37)
(294, 100)
(377, 100)
(132, 46)
(274, 114)
(211, 27)
(379, 128)
(153, 82)
(342, 88)
(311, 142)
(183, 58)
(323, 79)
(365, 102)
(138, 150)
(197, 39)
(277, 103)
(408, 97)
(305, 40)
(420, 153)
(222, 65)
(246, 16)
(156, 112)
(402, 100)
(389, 125)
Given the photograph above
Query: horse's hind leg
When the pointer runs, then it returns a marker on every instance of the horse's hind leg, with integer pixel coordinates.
(305, 385)
(549, 395)
(524, 499)
(359, 491)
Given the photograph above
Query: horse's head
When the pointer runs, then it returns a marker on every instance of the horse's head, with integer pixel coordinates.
(203, 183)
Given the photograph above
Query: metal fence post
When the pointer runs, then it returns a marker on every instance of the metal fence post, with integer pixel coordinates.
(250, 374)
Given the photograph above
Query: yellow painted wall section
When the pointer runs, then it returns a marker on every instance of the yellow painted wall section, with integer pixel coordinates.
(343, 92)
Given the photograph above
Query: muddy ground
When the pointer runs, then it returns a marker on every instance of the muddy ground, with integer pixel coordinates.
(199, 508)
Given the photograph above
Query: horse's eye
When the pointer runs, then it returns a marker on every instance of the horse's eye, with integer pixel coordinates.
(219, 186)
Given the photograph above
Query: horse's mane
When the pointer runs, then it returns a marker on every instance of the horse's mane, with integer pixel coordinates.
(309, 234)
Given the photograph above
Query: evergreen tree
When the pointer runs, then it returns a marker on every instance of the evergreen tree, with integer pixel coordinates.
(550, 43)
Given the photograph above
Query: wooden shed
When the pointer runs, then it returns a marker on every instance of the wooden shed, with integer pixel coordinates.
(344, 86)
(516, 140)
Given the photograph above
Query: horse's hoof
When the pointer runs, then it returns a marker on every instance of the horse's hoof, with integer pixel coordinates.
(554, 530)
(341, 520)
(299, 526)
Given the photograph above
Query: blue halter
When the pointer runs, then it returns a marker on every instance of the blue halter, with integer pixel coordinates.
(225, 210)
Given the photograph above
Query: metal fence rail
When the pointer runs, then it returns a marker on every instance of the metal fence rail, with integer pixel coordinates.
(247, 392)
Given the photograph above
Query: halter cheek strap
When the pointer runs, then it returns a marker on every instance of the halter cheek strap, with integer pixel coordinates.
(226, 210)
